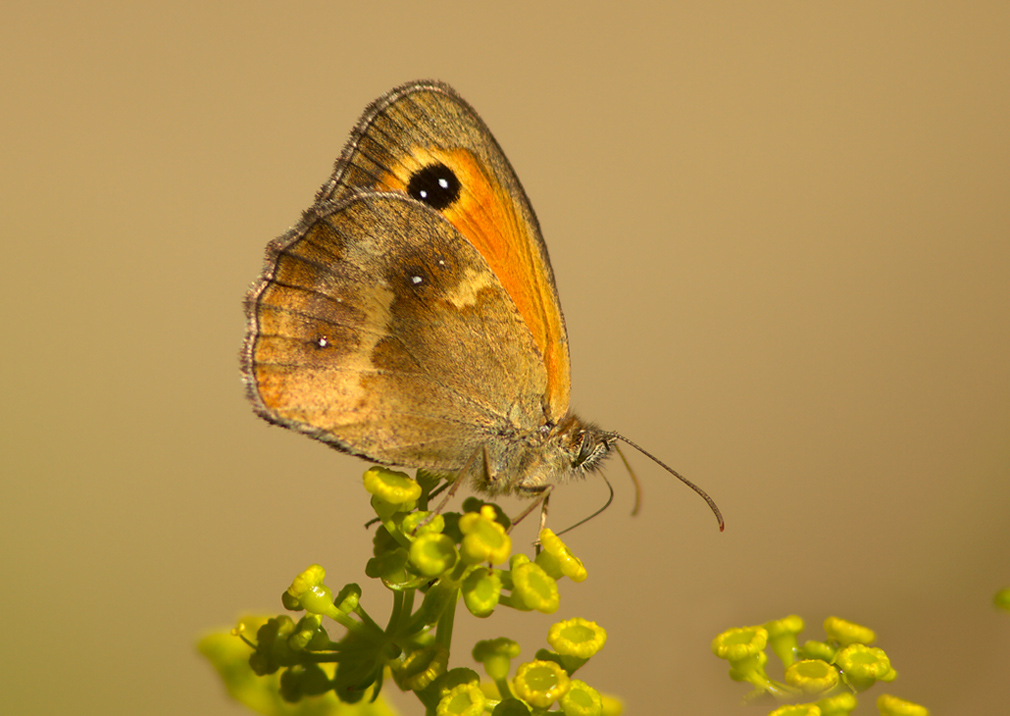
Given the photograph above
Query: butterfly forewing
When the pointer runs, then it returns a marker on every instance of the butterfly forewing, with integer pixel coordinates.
(426, 124)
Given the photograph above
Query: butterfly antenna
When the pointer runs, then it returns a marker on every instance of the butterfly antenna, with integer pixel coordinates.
(584, 520)
(634, 479)
(704, 495)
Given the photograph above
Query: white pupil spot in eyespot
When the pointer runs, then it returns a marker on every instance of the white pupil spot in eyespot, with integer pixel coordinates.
(442, 183)
(416, 280)
(322, 342)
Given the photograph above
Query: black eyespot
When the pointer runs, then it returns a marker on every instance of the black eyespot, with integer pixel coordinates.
(435, 185)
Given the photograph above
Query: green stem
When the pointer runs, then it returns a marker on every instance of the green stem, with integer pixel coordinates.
(394, 614)
(503, 688)
(443, 633)
(367, 621)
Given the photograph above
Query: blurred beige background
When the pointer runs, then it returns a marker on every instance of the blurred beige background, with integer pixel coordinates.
(781, 233)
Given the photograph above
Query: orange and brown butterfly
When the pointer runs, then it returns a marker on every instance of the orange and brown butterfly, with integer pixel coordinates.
(411, 316)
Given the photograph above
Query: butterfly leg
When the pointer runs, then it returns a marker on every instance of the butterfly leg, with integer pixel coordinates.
(453, 487)
(543, 513)
(543, 519)
(542, 494)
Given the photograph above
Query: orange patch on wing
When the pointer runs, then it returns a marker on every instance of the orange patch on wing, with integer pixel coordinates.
(489, 219)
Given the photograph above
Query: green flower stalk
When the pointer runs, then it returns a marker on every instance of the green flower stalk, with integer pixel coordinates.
(496, 655)
(577, 637)
(481, 591)
(782, 637)
(1001, 600)
(893, 706)
(812, 676)
(797, 710)
(432, 554)
(391, 492)
(557, 560)
(307, 592)
(835, 669)
(532, 587)
(420, 522)
(574, 641)
(420, 668)
(456, 677)
(818, 650)
(463, 700)
(862, 666)
(308, 680)
(743, 648)
(740, 644)
(541, 683)
(581, 700)
(484, 539)
(846, 632)
(512, 707)
(430, 562)
(391, 568)
(841, 704)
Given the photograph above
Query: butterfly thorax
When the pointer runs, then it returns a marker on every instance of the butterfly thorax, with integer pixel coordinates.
(553, 455)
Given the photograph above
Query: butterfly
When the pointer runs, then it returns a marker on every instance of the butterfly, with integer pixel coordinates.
(411, 317)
